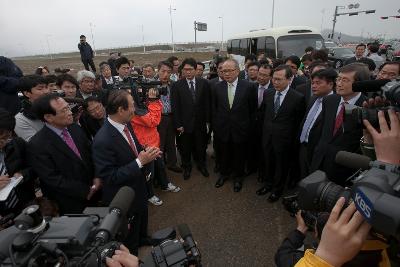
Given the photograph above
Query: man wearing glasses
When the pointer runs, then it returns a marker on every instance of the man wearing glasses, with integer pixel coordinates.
(338, 133)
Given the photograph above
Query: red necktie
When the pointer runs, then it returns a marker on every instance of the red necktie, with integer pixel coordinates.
(131, 144)
(339, 119)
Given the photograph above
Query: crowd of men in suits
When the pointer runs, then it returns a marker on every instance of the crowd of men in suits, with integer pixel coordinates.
(272, 119)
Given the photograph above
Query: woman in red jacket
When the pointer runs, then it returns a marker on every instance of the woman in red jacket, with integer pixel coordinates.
(145, 128)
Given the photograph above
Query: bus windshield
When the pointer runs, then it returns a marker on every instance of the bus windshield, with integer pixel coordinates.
(296, 44)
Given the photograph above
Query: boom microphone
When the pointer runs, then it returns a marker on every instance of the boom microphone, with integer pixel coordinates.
(119, 207)
(352, 160)
(369, 86)
(186, 235)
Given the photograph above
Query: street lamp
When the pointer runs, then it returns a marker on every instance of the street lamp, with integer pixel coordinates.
(172, 30)
(48, 45)
(91, 32)
(222, 32)
(273, 12)
(144, 47)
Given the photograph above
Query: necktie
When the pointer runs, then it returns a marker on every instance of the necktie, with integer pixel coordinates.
(260, 95)
(130, 141)
(70, 142)
(277, 103)
(231, 95)
(193, 91)
(339, 119)
(309, 120)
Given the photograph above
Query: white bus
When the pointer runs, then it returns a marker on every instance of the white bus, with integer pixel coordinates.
(278, 42)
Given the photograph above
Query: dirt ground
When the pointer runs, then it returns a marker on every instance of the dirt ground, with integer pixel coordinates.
(29, 65)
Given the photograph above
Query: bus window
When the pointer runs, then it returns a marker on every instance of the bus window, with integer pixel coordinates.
(295, 44)
(270, 47)
(244, 47)
(235, 46)
(229, 46)
(253, 46)
(260, 44)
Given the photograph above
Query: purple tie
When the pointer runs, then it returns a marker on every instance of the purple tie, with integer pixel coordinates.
(70, 142)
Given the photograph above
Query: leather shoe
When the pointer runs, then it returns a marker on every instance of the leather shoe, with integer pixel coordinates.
(237, 187)
(274, 197)
(186, 174)
(262, 191)
(175, 169)
(204, 171)
(220, 182)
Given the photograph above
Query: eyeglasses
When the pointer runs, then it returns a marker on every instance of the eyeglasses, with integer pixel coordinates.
(228, 70)
(64, 110)
(88, 81)
(278, 79)
(343, 80)
(95, 108)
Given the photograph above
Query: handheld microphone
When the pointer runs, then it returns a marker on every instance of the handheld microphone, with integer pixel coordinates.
(186, 235)
(119, 207)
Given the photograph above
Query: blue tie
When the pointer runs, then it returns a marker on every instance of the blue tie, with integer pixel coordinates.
(309, 120)
(277, 103)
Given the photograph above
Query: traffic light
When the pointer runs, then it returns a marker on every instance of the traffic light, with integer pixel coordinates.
(353, 14)
(369, 11)
(384, 17)
(397, 17)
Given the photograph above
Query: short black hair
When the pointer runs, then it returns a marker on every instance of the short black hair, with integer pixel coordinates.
(251, 57)
(201, 64)
(189, 61)
(268, 67)
(39, 70)
(51, 78)
(320, 54)
(369, 62)
(117, 99)
(328, 75)
(172, 59)
(294, 59)
(360, 69)
(286, 68)
(121, 61)
(374, 48)
(254, 63)
(7, 121)
(27, 82)
(85, 103)
(42, 106)
(165, 63)
(363, 45)
(67, 77)
(82, 36)
(391, 63)
(318, 63)
(306, 57)
(309, 49)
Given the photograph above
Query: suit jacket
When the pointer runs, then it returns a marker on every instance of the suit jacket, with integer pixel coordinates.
(297, 80)
(347, 139)
(305, 89)
(64, 177)
(189, 114)
(234, 122)
(281, 129)
(315, 131)
(242, 75)
(116, 165)
(90, 125)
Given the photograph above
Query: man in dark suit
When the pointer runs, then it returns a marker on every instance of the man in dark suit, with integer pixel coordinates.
(305, 88)
(9, 82)
(60, 155)
(284, 109)
(360, 51)
(190, 102)
(243, 75)
(234, 107)
(340, 132)
(323, 83)
(256, 160)
(294, 63)
(120, 161)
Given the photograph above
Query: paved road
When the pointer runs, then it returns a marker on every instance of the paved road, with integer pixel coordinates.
(231, 229)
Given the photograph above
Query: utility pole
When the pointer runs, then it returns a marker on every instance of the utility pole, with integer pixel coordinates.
(91, 32)
(273, 11)
(144, 47)
(172, 30)
(48, 46)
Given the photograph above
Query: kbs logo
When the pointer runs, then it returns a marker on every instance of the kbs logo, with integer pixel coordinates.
(363, 204)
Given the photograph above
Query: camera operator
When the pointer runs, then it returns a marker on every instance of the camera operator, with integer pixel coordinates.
(93, 116)
(389, 70)
(148, 71)
(145, 128)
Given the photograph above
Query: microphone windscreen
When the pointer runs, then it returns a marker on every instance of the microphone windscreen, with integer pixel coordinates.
(352, 160)
(123, 200)
(369, 86)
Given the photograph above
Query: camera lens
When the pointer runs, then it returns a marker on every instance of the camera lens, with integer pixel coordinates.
(330, 195)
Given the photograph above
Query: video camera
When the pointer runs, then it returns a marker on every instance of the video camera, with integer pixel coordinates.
(375, 190)
(389, 89)
(86, 239)
(291, 204)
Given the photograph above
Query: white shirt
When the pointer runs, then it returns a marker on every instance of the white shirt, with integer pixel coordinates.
(283, 94)
(265, 86)
(109, 81)
(120, 127)
(234, 85)
(194, 83)
(351, 101)
(85, 95)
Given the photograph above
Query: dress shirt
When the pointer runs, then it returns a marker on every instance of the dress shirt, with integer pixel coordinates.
(120, 127)
(283, 94)
(351, 101)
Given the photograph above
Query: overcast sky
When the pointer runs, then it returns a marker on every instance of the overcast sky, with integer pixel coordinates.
(26, 25)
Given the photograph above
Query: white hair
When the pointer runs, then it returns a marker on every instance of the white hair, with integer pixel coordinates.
(82, 74)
